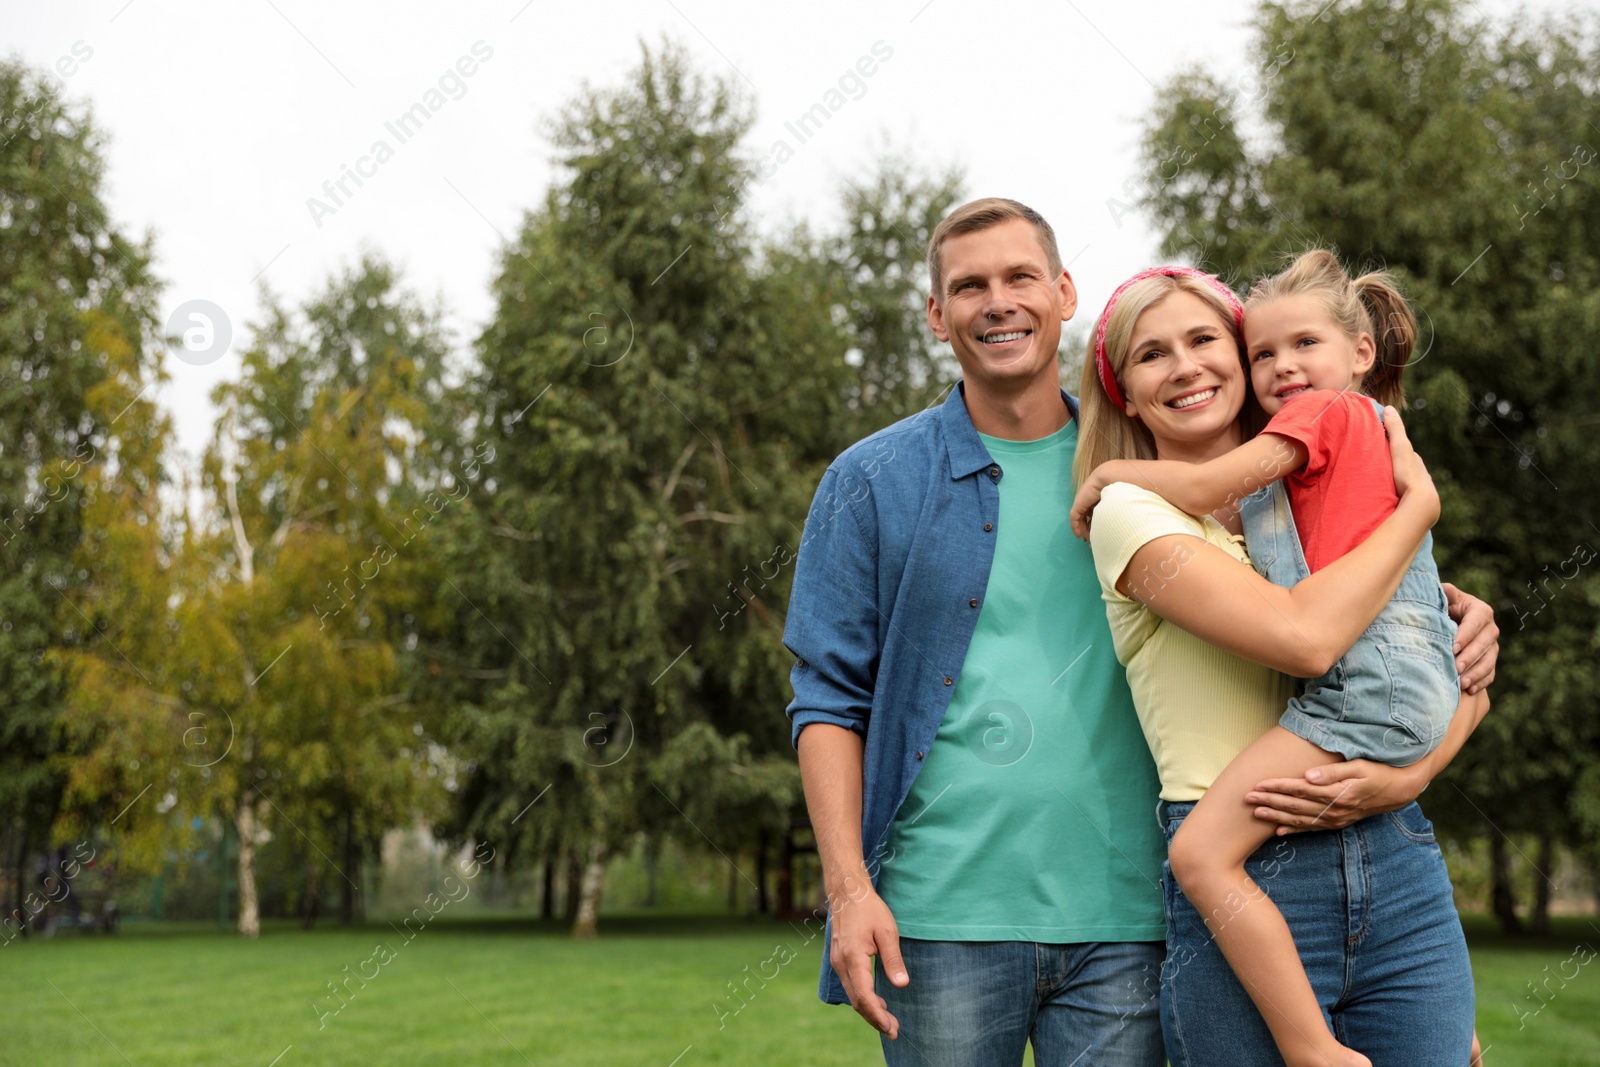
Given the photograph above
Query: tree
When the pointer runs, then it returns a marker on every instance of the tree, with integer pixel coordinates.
(1461, 155)
(661, 390)
(286, 597)
(77, 329)
(880, 257)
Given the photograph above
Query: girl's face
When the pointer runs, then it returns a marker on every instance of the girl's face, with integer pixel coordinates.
(1294, 345)
(1183, 378)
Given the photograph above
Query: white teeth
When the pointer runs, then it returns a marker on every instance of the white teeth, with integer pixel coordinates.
(1002, 338)
(1190, 401)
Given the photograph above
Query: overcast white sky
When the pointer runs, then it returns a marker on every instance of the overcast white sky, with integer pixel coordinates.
(224, 118)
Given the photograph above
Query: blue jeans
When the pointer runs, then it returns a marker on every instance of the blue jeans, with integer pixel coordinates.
(1372, 914)
(978, 1003)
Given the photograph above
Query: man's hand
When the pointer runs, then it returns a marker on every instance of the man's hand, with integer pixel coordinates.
(1334, 795)
(1411, 478)
(1477, 639)
(863, 928)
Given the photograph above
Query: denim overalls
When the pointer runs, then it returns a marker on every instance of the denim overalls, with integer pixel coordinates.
(1391, 697)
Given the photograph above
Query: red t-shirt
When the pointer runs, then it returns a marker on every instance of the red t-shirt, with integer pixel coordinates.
(1346, 489)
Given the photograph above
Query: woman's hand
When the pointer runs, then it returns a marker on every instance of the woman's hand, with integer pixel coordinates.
(1335, 795)
(1411, 479)
(1338, 794)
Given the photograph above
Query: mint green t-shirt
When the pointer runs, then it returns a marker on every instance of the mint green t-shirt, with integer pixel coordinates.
(1034, 816)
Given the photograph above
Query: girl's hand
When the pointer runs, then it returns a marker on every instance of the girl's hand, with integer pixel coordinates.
(1411, 478)
(1084, 504)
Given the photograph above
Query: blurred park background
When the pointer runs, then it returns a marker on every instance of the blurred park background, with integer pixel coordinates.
(429, 709)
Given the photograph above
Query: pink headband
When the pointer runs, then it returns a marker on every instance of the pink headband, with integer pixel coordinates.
(1102, 365)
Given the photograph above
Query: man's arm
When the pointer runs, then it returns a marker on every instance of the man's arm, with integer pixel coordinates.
(831, 771)
(1197, 488)
(1338, 794)
(832, 628)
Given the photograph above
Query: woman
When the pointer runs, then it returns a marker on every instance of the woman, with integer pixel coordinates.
(1203, 638)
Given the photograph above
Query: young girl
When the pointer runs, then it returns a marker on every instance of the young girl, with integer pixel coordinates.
(1323, 351)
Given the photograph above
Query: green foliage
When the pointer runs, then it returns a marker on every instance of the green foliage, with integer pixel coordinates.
(880, 258)
(560, 576)
(662, 389)
(77, 352)
(1462, 155)
(252, 671)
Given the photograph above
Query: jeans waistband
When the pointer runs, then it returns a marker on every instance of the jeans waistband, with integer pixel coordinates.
(1167, 810)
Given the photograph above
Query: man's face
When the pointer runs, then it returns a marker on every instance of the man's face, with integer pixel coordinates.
(1001, 309)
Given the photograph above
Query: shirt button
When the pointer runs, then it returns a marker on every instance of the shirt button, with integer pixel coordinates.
(919, 755)
(973, 602)
(799, 663)
(947, 680)
(988, 527)
(994, 472)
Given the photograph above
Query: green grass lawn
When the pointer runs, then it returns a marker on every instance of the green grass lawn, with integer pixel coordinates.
(649, 991)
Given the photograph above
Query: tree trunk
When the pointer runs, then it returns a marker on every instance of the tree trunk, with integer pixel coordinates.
(347, 892)
(1541, 889)
(594, 880)
(786, 877)
(313, 901)
(15, 893)
(547, 899)
(249, 909)
(652, 871)
(763, 903)
(733, 888)
(569, 913)
(1503, 900)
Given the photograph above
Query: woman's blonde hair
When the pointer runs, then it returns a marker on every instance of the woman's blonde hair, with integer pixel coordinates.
(1371, 305)
(1105, 431)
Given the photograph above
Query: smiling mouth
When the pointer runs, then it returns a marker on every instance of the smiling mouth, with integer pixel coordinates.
(1292, 391)
(1192, 399)
(1005, 337)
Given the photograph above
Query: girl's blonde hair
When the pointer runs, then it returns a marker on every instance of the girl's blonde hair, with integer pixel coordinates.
(1371, 305)
(1105, 431)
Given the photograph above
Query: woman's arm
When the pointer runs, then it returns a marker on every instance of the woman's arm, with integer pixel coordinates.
(1304, 630)
(1300, 631)
(1197, 488)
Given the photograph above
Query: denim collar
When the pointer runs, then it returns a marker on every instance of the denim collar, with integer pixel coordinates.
(967, 452)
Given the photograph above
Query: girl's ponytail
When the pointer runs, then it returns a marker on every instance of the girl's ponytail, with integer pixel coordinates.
(1394, 335)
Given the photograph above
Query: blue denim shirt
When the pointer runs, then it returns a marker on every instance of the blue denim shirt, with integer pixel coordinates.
(893, 563)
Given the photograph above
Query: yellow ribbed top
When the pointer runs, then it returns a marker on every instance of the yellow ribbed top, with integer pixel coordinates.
(1198, 705)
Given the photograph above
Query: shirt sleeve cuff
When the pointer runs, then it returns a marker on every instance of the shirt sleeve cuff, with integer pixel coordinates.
(802, 719)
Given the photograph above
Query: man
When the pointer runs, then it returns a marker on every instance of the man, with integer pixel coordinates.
(982, 796)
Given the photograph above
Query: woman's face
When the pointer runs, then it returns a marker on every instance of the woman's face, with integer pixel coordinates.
(1183, 378)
